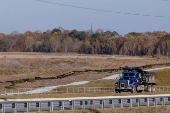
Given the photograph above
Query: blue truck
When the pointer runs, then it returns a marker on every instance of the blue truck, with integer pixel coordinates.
(136, 80)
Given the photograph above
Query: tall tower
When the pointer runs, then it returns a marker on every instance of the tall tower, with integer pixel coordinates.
(91, 28)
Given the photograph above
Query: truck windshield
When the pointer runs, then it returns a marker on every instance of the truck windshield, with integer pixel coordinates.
(128, 75)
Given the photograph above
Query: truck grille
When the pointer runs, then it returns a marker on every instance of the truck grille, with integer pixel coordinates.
(123, 83)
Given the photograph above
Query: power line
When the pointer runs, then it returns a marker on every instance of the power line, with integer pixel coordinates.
(101, 10)
(74, 6)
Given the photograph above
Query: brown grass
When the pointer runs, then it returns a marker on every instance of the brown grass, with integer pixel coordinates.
(18, 65)
(18, 59)
(158, 109)
(70, 95)
(163, 77)
(63, 81)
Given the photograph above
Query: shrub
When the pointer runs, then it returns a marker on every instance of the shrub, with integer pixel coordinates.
(9, 87)
(100, 71)
(18, 81)
(110, 71)
(31, 80)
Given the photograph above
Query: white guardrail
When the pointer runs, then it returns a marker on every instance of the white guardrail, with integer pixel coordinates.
(73, 90)
(51, 105)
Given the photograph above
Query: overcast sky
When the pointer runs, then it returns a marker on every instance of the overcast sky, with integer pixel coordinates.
(123, 16)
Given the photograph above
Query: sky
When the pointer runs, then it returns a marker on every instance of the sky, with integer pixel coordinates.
(123, 16)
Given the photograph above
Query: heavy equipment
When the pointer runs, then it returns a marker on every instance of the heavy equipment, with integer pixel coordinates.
(135, 79)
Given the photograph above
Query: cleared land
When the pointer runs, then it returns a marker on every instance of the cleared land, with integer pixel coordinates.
(16, 66)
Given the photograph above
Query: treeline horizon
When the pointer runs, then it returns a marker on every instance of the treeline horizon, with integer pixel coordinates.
(87, 42)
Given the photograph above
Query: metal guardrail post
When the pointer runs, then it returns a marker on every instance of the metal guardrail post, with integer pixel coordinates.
(93, 103)
(121, 102)
(40, 105)
(147, 100)
(83, 104)
(162, 99)
(131, 105)
(51, 106)
(28, 107)
(3, 108)
(62, 105)
(138, 102)
(102, 103)
(15, 107)
(112, 104)
(168, 98)
(72, 105)
(155, 101)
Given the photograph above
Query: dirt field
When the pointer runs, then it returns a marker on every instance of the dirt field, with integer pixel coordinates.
(15, 66)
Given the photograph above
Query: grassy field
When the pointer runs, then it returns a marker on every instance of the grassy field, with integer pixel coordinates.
(34, 96)
(163, 77)
(98, 83)
(16, 66)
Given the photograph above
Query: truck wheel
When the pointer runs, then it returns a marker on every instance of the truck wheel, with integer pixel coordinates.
(133, 90)
(149, 88)
(153, 89)
(117, 91)
(140, 91)
(146, 88)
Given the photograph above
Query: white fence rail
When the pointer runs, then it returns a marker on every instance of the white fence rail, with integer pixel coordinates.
(163, 88)
(68, 90)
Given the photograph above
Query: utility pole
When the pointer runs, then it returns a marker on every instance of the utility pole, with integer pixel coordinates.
(91, 28)
(4, 30)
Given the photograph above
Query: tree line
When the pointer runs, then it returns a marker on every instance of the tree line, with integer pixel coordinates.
(87, 42)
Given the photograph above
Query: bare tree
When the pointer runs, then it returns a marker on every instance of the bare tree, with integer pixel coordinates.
(101, 31)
